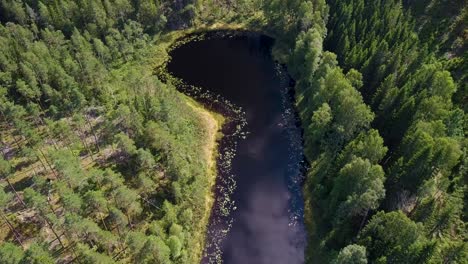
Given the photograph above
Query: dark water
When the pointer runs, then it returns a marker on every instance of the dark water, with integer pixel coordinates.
(258, 214)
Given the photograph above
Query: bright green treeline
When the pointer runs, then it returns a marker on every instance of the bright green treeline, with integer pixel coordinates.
(100, 161)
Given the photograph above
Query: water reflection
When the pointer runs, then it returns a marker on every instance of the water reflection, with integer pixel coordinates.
(265, 221)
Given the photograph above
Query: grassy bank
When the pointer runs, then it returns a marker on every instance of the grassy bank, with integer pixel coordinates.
(212, 123)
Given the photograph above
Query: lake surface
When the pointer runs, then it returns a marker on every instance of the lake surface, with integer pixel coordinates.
(258, 215)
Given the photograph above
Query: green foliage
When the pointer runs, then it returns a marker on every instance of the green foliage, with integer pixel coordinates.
(357, 188)
(126, 144)
(175, 245)
(442, 23)
(367, 145)
(154, 251)
(37, 254)
(5, 168)
(4, 198)
(306, 54)
(135, 240)
(408, 245)
(337, 109)
(89, 256)
(35, 200)
(10, 253)
(352, 254)
(68, 168)
(72, 202)
(293, 16)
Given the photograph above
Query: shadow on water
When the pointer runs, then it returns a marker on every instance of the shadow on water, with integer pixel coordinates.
(258, 214)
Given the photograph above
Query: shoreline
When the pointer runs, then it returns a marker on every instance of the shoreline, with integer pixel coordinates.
(171, 41)
(213, 122)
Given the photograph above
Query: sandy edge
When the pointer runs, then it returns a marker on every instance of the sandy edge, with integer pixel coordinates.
(212, 123)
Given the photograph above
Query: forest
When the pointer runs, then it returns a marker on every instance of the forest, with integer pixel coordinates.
(103, 162)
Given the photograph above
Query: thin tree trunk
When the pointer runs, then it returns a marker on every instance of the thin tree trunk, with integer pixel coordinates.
(55, 233)
(9, 126)
(118, 253)
(50, 205)
(16, 142)
(34, 169)
(48, 163)
(96, 142)
(150, 203)
(42, 163)
(104, 223)
(363, 221)
(14, 190)
(49, 134)
(82, 137)
(129, 220)
(3, 144)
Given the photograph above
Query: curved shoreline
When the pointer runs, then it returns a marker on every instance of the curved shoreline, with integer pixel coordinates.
(214, 124)
(221, 218)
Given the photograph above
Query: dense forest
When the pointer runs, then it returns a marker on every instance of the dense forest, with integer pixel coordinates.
(391, 185)
(101, 162)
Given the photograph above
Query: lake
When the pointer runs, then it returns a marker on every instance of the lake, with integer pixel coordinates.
(258, 214)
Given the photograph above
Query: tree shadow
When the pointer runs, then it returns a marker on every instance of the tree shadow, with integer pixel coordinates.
(23, 183)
